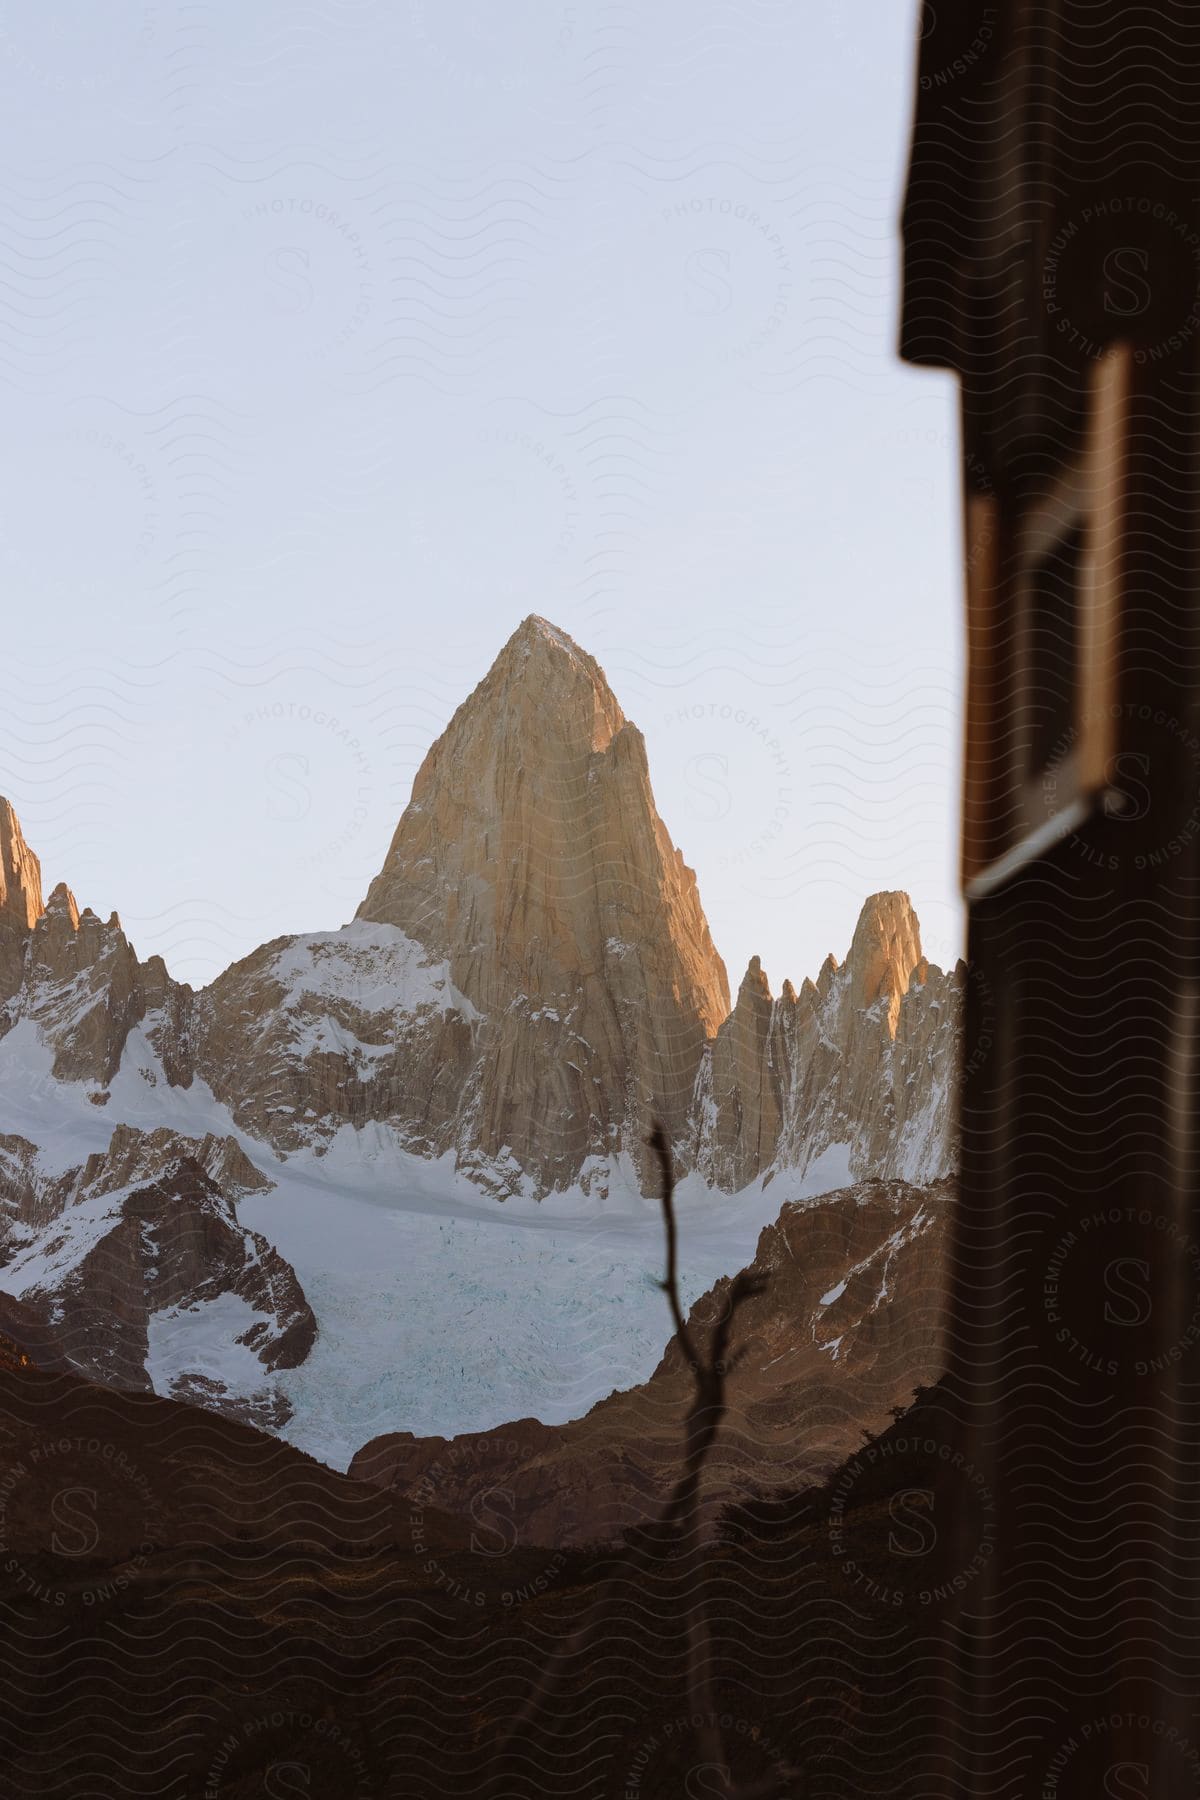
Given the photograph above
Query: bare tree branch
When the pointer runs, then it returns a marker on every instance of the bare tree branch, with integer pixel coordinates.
(709, 1374)
(681, 1511)
(657, 1141)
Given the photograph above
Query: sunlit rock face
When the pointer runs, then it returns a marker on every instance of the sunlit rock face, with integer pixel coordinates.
(20, 902)
(533, 863)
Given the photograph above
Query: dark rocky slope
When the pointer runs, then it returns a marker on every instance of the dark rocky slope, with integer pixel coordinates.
(193, 1609)
(849, 1325)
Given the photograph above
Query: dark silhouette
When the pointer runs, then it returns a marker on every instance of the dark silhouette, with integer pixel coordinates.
(679, 1532)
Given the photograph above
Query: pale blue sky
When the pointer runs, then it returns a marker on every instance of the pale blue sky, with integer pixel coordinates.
(338, 336)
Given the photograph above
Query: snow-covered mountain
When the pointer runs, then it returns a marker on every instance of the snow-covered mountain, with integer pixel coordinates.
(115, 1254)
(330, 1125)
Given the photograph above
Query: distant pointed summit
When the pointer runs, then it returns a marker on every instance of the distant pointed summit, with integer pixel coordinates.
(20, 899)
(20, 873)
(886, 952)
(542, 693)
(549, 647)
(533, 859)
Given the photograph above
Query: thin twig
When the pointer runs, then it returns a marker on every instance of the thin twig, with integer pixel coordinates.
(700, 1431)
(657, 1142)
(681, 1509)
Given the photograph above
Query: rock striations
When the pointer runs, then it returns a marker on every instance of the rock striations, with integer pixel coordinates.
(532, 860)
(20, 901)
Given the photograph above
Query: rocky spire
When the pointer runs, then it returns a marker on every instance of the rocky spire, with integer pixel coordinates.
(885, 953)
(20, 874)
(533, 859)
(743, 1077)
(75, 977)
(20, 899)
(502, 796)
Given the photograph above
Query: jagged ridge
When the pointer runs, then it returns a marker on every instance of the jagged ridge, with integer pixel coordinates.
(529, 981)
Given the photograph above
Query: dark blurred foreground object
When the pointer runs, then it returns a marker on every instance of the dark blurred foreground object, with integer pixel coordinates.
(1052, 260)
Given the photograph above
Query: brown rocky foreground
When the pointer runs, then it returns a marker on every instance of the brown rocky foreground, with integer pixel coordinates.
(191, 1609)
